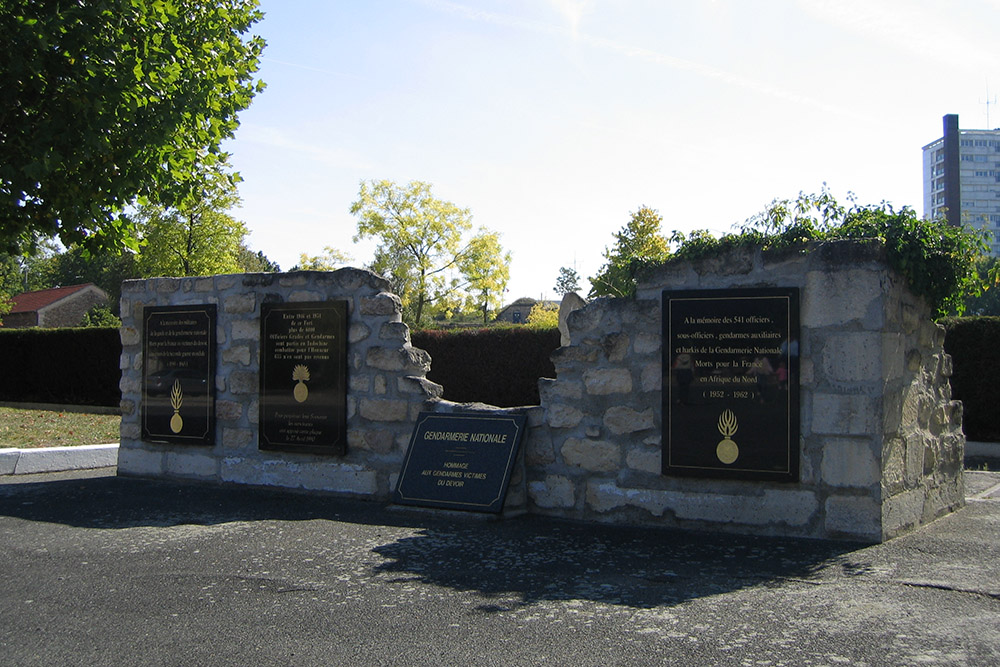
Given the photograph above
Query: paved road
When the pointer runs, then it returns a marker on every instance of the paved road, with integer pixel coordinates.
(96, 569)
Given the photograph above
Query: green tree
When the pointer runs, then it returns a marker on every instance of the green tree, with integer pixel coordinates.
(255, 262)
(638, 242)
(543, 316)
(425, 249)
(197, 238)
(486, 267)
(988, 302)
(104, 268)
(107, 102)
(568, 281)
(101, 315)
(330, 259)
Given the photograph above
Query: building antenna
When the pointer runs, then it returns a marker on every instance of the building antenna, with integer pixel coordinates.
(988, 102)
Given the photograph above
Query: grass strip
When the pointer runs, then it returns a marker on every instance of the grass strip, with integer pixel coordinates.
(24, 429)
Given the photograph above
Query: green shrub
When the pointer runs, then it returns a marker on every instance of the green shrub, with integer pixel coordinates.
(497, 365)
(938, 261)
(64, 366)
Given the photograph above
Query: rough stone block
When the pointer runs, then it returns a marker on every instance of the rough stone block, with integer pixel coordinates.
(836, 298)
(239, 303)
(245, 330)
(853, 357)
(562, 415)
(395, 331)
(228, 410)
(135, 461)
(129, 336)
(839, 414)
(238, 354)
(186, 464)
(850, 462)
(858, 517)
(244, 382)
(130, 430)
(606, 381)
(383, 304)
(774, 506)
(344, 478)
(384, 409)
(357, 332)
(902, 511)
(644, 459)
(305, 296)
(236, 438)
(651, 378)
(592, 455)
(554, 491)
(623, 419)
(647, 343)
(552, 391)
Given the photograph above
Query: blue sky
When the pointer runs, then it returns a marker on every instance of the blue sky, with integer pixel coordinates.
(552, 120)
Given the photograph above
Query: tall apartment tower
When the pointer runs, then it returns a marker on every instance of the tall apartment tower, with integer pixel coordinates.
(962, 179)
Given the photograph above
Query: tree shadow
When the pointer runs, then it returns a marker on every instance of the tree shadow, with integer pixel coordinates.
(538, 559)
(513, 563)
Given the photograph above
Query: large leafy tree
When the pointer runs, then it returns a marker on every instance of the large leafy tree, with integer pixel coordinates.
(197, 237)
(639, 241)
(105, 102)
(427, 251)
(330, 259)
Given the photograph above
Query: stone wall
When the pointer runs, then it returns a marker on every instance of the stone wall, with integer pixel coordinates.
(69, 311)
(387, 385)
(881, 446)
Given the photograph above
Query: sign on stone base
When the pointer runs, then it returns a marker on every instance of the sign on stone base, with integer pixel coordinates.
(460, 461)
(303, 377)
(731, 383)
(178, 374)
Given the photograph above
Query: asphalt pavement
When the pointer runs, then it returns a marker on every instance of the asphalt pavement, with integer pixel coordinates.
(97, 569)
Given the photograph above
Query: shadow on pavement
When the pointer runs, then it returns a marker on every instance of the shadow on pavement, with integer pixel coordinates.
(514, 562)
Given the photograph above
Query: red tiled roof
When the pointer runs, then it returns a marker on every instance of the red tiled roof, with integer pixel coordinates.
(31, 302)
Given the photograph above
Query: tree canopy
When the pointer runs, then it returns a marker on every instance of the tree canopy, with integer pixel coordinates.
(106, 102)
(426, 252)
(640, 240)
(568, 281)
(197, 238)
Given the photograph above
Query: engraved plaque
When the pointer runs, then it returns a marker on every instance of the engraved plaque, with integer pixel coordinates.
(731, 383)
(460, 461)
(303, 377)
(178, 374)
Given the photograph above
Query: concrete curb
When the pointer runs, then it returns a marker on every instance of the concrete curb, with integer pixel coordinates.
(990, 450)
(57, 459)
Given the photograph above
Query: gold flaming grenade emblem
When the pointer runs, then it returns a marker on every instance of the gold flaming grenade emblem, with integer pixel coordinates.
(727, 451)
(176, 401)
(301, 375)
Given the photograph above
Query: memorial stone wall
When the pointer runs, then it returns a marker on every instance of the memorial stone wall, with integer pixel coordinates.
(853, 436)
(386, 384)
(879, 443)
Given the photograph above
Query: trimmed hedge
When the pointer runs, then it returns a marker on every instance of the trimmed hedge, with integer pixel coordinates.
(974, 346)
(63, 366)
(497, 365)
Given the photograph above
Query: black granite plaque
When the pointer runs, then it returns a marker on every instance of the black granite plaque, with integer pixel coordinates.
(303, 377)
(178, 374)
(731, 383)
(460, 461)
